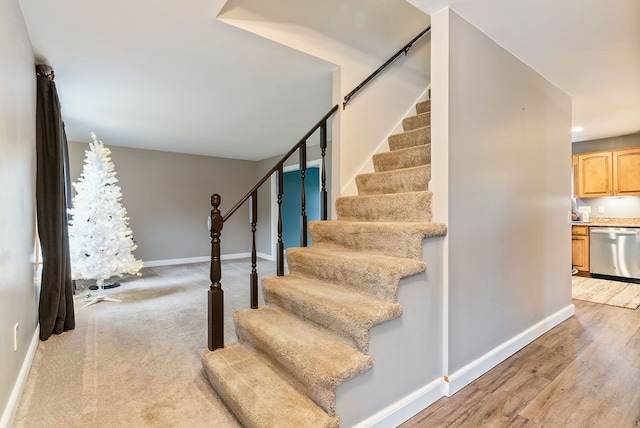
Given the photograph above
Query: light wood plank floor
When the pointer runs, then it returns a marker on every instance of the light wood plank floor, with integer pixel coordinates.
(584, 373)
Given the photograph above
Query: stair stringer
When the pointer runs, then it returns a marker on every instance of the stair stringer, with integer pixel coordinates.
(407, 373)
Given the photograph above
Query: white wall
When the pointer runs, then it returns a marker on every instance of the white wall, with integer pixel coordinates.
(614, 206)
(501, 149)
(167, 197)
(18, 297)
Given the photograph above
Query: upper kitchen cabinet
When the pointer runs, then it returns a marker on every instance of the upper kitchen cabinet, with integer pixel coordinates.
(595, 174)
(626, 172)
(612, 173)
(576, 178)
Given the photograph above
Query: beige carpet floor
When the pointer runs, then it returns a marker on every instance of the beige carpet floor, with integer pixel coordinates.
(614, 293)
(137, 363)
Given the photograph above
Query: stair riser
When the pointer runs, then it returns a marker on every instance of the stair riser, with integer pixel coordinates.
(220, 383)
(301, 351)
(415, 122)
(349, 315)
(399, 181)
(423, 107)
(385, 243)
(324, 398)
(313, 312)
(230, 370)
(364, 278)
(413, 138)
(398, 207)
(406, 158)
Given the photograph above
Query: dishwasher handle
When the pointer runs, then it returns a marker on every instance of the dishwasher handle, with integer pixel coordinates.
(616, 232)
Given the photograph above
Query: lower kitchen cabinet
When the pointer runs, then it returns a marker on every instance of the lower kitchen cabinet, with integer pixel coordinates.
(580, 247)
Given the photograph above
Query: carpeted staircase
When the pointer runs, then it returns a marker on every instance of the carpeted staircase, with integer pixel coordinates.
(313, 333)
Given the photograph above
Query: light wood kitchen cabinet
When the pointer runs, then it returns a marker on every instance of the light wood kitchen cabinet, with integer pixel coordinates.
(580, 247)
(595, 175)
(576, 176)
(626, 172)
(612, 173)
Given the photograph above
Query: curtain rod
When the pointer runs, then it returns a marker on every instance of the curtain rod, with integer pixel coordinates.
(44, 70)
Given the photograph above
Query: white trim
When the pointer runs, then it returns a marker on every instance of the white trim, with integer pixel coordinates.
(477, 368)
(187, 260)
(264, 256)
(295, 167)
(405, 408)
(16, 394)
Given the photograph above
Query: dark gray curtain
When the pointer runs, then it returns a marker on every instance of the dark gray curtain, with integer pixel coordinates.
(56, 295)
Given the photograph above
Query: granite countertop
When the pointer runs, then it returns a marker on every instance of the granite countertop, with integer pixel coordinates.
(610, 222)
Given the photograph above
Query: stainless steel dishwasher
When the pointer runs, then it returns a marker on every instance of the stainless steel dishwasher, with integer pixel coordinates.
(615, 251)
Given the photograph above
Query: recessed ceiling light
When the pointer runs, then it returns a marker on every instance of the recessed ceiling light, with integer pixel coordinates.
(577, 129)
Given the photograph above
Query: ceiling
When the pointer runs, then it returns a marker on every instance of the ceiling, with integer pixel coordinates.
(588, 48)
(168, 75)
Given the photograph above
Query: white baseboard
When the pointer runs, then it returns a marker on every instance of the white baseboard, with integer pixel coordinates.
(187, 260)
(407, 407)
(265, 256)
(477, 368)
(16, 394)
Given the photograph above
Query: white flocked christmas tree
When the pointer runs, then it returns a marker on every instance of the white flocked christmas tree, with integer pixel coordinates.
(101, 242)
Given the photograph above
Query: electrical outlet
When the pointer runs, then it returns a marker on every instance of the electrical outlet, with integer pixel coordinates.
(584, 209)
(15, 336)
(600, 210)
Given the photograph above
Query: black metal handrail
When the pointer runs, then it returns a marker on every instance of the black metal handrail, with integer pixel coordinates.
(216, 294)
(405, 50)
(284, 158)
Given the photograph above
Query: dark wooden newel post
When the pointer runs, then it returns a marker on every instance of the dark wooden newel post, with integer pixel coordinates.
(216, 299)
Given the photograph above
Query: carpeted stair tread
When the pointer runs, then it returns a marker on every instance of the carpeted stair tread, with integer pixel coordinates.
(313, 357)
(257, 394)
(408, 206)
(403, 158)
(346, 312)
(372, 273)
(397, 181)
(416, 137)
(418, 121)
(397, 239)
(423, 107)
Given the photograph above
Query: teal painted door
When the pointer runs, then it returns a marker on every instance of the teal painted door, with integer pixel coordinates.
(291, 201)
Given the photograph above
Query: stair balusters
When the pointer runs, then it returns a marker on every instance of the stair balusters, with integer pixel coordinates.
(323, 188)
(280, 244)
(254, 273)
(303, 199)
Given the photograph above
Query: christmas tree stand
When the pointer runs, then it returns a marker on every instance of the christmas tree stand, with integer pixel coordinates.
(106, 286)
(101, 297)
